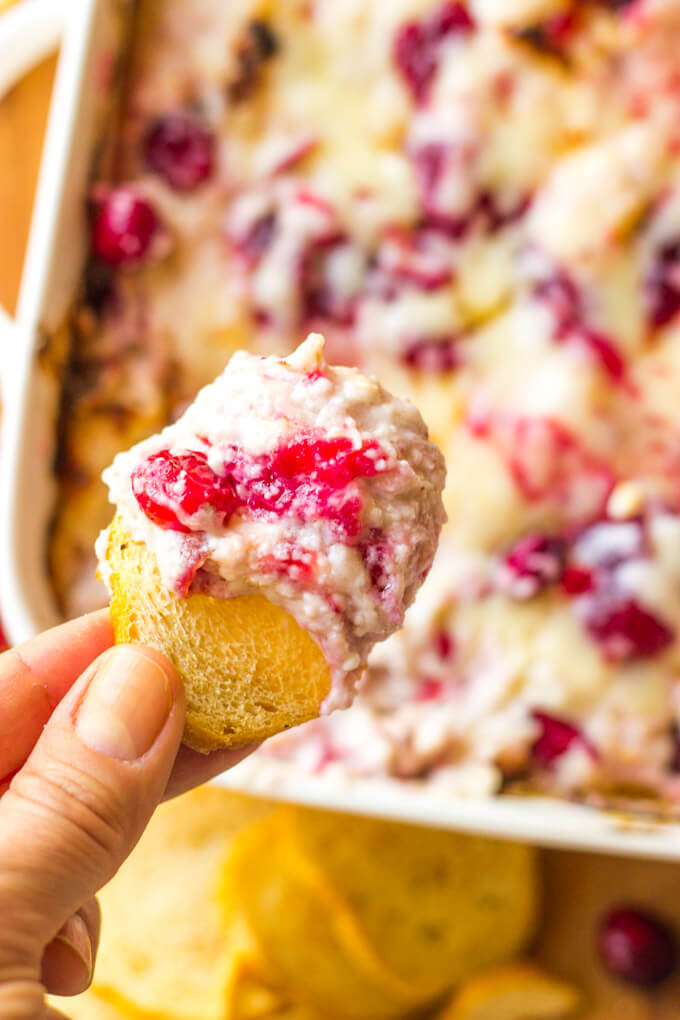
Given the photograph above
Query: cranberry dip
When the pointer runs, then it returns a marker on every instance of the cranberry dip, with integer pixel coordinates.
(307, 484)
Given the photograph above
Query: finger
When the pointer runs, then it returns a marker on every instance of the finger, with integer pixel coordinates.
(36, 675)
(192, 768)
(68, 960)
(92, 916)
(75, 810)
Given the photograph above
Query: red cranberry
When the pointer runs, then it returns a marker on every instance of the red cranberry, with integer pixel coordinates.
(296, 563)
(556, 737)
(430, 690)
(335, 462)
(662, 286)
(561, 294)
(624, 629)
(312, 477)
(168, 481)
(319, 297)
(432, 162)
(416, 46)
(374, 553)
(181, 150)
(444, 645)
(546, 459)
(636, 947)
(420, 257)
(534, 563)
(577, 580)
(254, 243)
(123, 228)
(307, 478)
(604, 350)
(495, 216)
(436, 356)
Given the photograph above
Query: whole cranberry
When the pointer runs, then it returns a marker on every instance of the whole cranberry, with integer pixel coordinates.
(662, 285)
(577, 580)
(636, 946)
(624, 629)
(181, 150)
(123, 228)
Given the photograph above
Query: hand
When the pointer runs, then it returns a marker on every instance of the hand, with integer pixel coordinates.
(89, 744)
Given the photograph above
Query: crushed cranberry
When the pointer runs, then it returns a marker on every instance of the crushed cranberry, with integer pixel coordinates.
(548, 462)
(181, 150)
(444, 645)
(636, 947)
(295, 562)
(295, 154)
(433, 162)
(662, 286)
(307, 197)
(417, 45)
(577, 580)
(169, 481)
(533, 564)
(436, 163)
(335, 462)
(555, 738)
(254, 243)
(623, 628)
(433, 355)
(374, 554)
(123, 228)
(603, 350)
(419, 257)
(308, 478)
(562, 295)
(430, 690)
(320, 300)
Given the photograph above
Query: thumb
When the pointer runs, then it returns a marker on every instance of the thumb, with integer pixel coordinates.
(75, 810)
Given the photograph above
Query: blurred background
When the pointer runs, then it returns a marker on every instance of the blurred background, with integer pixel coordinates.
(233, 908)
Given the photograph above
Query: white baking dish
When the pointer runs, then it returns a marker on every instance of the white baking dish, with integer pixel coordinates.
(54, 259)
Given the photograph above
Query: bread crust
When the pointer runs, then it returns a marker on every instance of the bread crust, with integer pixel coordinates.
(249, 669)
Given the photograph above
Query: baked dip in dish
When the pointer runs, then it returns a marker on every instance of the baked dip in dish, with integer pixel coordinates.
(479, 204)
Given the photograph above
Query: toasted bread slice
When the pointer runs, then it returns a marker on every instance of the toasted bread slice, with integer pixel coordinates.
(249, 669)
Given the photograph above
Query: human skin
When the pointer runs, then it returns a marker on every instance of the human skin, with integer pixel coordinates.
(90, 743)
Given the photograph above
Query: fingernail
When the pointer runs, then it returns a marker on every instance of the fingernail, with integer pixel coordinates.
(126, 704)
(75, 936)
